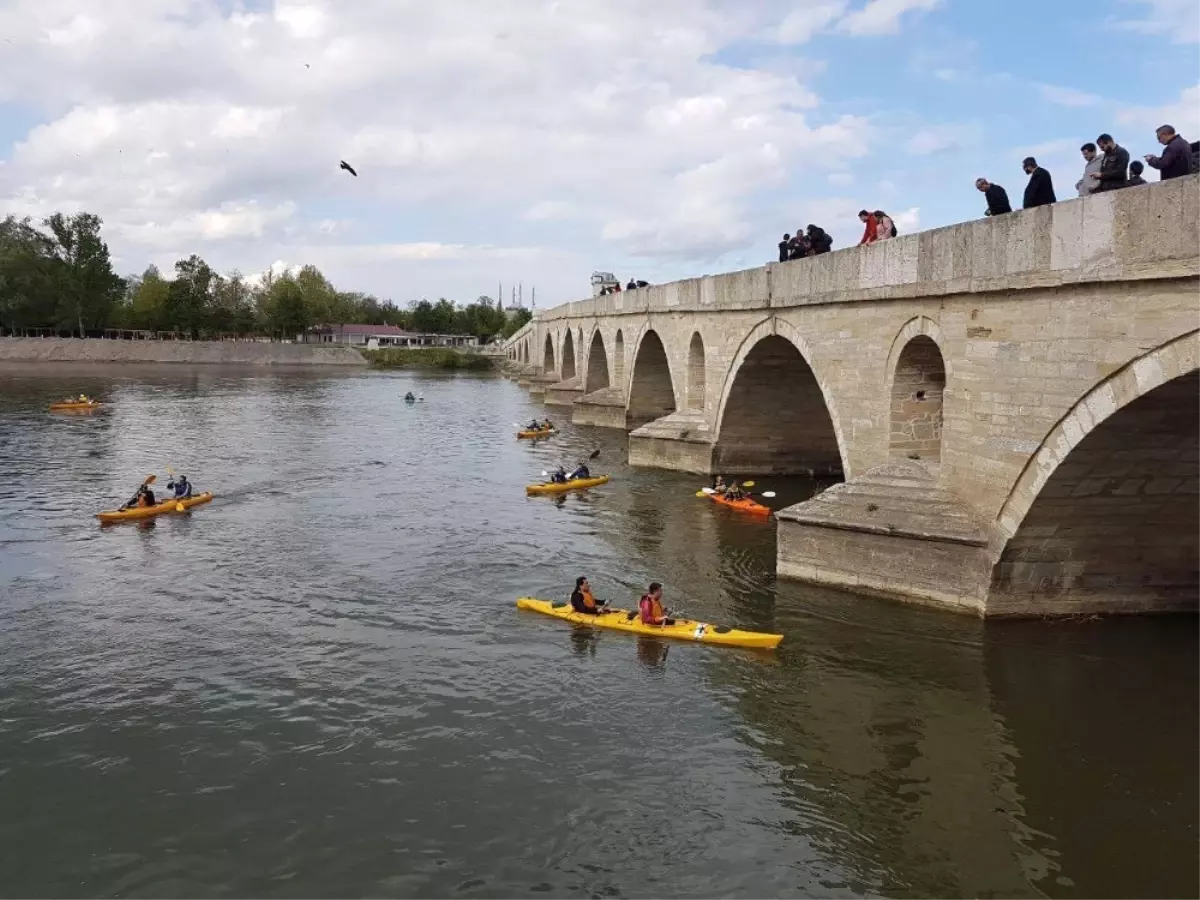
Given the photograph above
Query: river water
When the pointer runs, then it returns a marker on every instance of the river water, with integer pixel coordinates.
(319, 685)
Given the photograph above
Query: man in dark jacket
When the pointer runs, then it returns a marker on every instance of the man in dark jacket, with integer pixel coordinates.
(785, 247)
(1175, 161)
(819, 240)
(1040, 190)
(997, 197)
(1114, 168)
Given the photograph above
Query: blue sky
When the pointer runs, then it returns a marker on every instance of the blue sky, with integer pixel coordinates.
(538, 141)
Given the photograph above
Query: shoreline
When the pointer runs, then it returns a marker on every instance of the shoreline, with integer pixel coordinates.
(22, 350)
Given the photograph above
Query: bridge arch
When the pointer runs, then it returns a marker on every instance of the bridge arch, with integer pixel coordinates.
(916, 386)
(548, 367)
(596, 376)
(1121, 465)
(775, 415)
(651, 387)
(568, 356)
(696, 388)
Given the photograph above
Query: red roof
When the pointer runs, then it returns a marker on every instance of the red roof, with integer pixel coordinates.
(393, 330)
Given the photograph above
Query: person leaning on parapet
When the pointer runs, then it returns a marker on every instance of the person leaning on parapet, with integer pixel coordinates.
(1176, 160)
(818, 240)
(1114, 168)
(1040, 190)
(870, 227)
(1092, 163)
(1135, 174)
(997, 197)
(798, 248)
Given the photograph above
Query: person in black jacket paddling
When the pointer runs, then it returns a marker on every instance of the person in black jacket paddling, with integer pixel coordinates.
(1040, 190)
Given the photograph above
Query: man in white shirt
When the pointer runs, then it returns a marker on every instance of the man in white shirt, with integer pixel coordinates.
(1093, 161)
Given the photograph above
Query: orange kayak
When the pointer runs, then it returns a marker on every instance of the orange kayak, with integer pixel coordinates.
(745, 504)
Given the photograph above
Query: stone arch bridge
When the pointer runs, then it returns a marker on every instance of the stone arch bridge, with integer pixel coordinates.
(1012, 402)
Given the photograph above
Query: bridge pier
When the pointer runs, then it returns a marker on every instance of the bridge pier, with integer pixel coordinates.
(604, 408)
(891, 532)
(680, 441)
(564, 393)
(538, 384)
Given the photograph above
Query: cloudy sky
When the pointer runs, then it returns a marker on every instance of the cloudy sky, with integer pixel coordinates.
(539, 140)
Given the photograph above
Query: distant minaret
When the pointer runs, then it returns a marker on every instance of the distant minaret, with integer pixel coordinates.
(500, 295)
(521, 293)
(533, 299)
(514, 295)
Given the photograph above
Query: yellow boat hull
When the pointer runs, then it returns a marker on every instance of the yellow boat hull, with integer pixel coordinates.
(578, 484)
(683, 629)
(145, 512)
(74, 407)
(534, 435)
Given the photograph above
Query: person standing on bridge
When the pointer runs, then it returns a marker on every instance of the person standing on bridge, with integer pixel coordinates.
(785, 248)
(1176, 160)
(1040, 190)
(871, 227)
(1114, 168)
(1092, 162)
(997, 197)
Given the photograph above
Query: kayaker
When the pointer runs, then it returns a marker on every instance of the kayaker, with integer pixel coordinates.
(409, 396)
(651, 607)
(581, 471)
(719, 484)
(535, 426)
(559, 476)
(183, 487)
(548, 425)
(582, 600)
(143, 497)
(734, 492)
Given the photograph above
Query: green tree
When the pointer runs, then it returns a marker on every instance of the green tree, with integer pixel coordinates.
(287, 313)
(232, 307)
(515, 321)
(86, 286)
(148, 303)
(26, 283)
(189, 296)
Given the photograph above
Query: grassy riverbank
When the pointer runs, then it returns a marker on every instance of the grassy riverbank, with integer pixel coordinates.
(430, 358)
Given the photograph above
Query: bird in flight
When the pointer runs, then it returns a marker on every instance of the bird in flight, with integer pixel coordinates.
(345, 165)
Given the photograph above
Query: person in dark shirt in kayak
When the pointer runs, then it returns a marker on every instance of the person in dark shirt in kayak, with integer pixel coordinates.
(734, 492)
(144, 497)
(535, 425)
(181, 486)
(559, 476)
(651, 608)
(581, 471)
(583, 602)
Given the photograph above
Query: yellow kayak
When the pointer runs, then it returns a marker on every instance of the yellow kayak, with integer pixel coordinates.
(575, 484)
(541, 433)
(683, 629)
(74, 405)
(146, 512)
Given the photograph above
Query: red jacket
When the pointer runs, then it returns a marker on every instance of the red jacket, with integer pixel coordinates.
(870, 235)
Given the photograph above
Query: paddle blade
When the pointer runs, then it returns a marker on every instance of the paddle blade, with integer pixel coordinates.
(178, 507)
(747, 484)
(700, 493)
(595, 453)
(150, 480)
(767, 494)
(706, 491)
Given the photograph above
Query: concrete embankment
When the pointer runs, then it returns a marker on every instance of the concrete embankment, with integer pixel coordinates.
(229, 353)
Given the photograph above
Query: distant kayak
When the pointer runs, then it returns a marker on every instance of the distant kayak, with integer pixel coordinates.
(145, 512)
(545, 432)
(683, 629)
(75, 405)
(745, 504)
(557, 487)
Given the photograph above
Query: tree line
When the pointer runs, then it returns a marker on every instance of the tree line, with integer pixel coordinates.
(58, 276)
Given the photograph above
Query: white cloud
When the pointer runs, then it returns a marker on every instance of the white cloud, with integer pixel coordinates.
(882, 16)
(841, 179)
(216, 128)
(1183, 115)
(940, 138)
(909, 221)
(1068, 96)
(808, 19)
(1178, 18)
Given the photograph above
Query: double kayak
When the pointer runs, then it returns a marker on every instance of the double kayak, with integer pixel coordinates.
(683, 629)
(745, 504)
(76, 405)
(557, 487)
(540, 433)
(146, 512)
